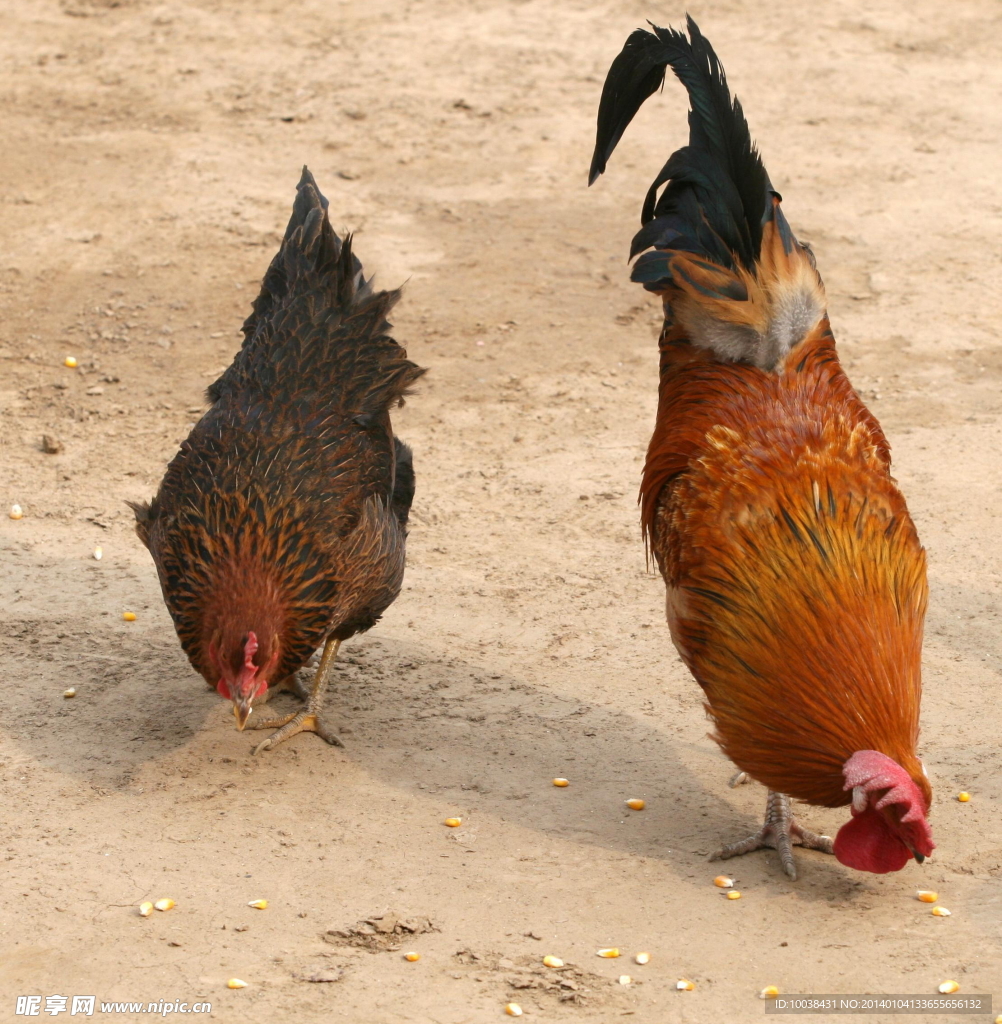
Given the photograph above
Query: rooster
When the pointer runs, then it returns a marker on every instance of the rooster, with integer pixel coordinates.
(796, 583)
(280, 524)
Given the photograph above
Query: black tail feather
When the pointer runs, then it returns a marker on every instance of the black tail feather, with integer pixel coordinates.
(309, 234)
(718, 191)
(317, 319)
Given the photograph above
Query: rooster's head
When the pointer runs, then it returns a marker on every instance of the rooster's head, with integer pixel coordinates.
(888, 825)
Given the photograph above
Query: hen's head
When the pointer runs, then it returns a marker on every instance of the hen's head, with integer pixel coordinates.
(888, 825)
(243, 672)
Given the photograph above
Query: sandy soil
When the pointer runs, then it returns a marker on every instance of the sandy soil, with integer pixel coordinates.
(150, 156)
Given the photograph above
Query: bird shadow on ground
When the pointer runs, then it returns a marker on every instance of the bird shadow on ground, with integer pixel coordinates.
(415, 718)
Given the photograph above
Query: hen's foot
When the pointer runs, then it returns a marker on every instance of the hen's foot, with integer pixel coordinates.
(308, 718)
(781, 833)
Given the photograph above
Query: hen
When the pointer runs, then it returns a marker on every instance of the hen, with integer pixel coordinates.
(280, 525)
(796, 584)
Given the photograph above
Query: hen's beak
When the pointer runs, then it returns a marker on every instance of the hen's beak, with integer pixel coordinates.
(242, 710)
(919, 857)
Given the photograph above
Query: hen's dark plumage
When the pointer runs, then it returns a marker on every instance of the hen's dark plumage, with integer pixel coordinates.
(283, 515)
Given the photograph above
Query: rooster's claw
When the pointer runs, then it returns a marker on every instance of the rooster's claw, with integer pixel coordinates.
(781, 832)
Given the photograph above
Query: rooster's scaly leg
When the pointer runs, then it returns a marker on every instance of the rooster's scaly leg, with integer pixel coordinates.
(781, 833)
(308, 718)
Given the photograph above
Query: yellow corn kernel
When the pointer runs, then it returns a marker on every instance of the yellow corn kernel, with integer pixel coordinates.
(71, 362)
(560, 783)
(236, 983)
(635, 804)
(734, 895)
(412, 957)
(723, 882)
(258, 904)
(71, 692)
(625, 979)
(552, 961)
(609, 954)
(998, 1019)
(98, 554)
(940, 912)
(145, 909)
(513, 1009)
(643, 958)
(949, 987)
(684, 985)
(926, 896)
(769, 992)
(964, 797)
(165, 904)
(16, 512)
(453, 822)
(129, 616)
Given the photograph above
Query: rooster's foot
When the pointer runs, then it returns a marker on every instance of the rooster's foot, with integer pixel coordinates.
(781, 832)
(308, 718)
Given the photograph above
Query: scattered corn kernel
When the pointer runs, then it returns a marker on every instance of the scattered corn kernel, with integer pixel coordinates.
(684, 985)
(258, 904)
(71, 692)
(129, 616)
(940, 912)
(236, 983)
(513, 1009)
(723, 882)
(625, 979)
(636, 805)
(561, 783)
(769, 992)
(71, 362)
(964, 797)
(643, 958)
(145, 909)
(949, 987)
(552, 961)
(998, 1019)
(98, 554)
(453, 822)
(165, 904)
(16, 512)
(926, 896)
(609, 954)
(734, 895)
(412, 957)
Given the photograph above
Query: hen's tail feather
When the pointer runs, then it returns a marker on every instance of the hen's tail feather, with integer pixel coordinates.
(318, 319)
(724, 258)
(310, 234)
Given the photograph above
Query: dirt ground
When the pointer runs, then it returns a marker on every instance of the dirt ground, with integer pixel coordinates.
(150, 157)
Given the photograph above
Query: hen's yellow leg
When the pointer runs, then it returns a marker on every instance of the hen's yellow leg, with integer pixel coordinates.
(307, 719)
